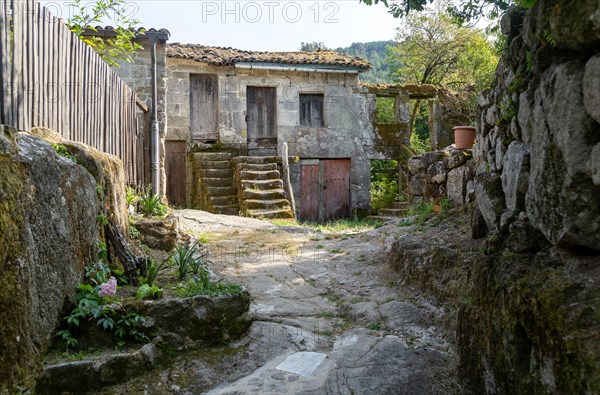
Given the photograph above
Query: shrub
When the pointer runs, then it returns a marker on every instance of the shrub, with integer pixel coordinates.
(151, 205)
(188, 258)
(146, 291)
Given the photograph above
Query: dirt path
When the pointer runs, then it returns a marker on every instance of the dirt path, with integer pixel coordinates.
(330, 317)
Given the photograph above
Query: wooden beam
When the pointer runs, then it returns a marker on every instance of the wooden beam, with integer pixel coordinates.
(140, 104)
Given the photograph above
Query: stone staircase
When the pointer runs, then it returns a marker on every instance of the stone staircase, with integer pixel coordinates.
(398, 209)
(260, 188)
(215, 188)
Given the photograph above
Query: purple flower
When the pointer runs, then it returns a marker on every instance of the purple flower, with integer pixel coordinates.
(108, 288)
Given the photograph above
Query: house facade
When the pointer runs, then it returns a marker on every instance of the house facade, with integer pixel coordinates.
(254, 103)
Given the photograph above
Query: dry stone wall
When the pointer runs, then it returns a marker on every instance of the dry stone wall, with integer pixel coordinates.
(438, 175)
(538, 156)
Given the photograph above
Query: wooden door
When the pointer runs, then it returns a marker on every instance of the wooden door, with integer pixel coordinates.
(175, 154)
(204, 107)
(309, 192)
(261, 119)
(324, 189)
(335, 199)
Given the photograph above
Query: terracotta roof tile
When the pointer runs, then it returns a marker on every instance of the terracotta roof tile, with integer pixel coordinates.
(218, 56)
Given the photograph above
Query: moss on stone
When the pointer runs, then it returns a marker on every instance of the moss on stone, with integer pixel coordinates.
(12, 353)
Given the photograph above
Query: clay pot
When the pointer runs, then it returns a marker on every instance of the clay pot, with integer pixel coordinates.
(464, 137)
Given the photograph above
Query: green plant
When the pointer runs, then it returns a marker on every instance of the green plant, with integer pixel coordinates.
(445, 204)
(102, 220)
(194, 287)
(151, 205)
(549, 37)
(91, 305)
(419, 144)
(421, 208)
(133, 232)
(84, 15)
(528, 61)
(384, 183)
(374, 326)
(133, 196)
(63, 151)
(188, 258)
(345, 225)
(97, 273)
(326, 314)
(153, 268)
(146, 291)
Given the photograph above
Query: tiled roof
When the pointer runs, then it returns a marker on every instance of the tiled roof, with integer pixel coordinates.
(109, 31)
(217, 56)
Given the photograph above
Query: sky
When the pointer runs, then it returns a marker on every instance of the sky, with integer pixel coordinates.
(269, 25)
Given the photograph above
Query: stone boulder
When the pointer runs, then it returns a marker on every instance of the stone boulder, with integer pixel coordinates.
(48, 211)
(199, 321)
(158, 233)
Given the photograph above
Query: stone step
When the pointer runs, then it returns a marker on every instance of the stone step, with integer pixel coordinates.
(257, 160)
(206, 156)
(254, 167)
(219, 191)
(270, 214)
(259, 175)
(216, 173)
(262, 185)
(393, 212)
(226, 210)
(278, 193)
(209, 182)
(255, 204)
(400, 205)
(223, 200)
(214, 164)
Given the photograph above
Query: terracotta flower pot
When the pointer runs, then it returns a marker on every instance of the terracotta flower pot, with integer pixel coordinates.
(464, 137)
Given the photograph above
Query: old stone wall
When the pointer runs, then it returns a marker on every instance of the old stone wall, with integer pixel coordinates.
(348, 131)
(538, 127)
(531, 324)
(438, 175)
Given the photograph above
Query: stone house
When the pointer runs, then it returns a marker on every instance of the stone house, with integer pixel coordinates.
(225, 117)
(224, 103)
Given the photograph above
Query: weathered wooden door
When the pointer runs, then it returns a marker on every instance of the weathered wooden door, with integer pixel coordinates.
(175, 154)
(336, 189)
(261, 119)
(309, 191)
(324, 189)
(204, 110)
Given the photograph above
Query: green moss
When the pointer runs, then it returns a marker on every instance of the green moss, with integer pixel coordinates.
(16, 360)
(534, 322)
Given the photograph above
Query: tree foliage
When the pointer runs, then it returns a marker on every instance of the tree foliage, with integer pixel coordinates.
(87, 14)
(375, 52)
(464, 10)
(433, 49)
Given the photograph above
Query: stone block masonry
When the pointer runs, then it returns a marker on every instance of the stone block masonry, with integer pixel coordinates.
(438, 175)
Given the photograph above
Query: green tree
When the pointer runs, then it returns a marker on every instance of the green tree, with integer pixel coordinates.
(87, 14)
(434, 49)
(375, 52)
(464, 10)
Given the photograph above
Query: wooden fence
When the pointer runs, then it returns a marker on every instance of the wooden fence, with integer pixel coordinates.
(53, 79)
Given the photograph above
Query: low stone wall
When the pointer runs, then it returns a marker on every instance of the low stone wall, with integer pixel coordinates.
(434, 176)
